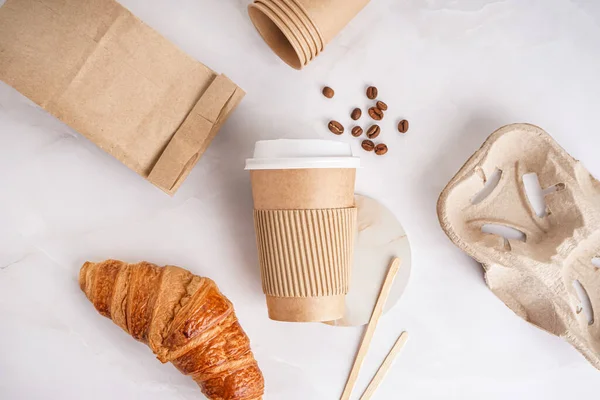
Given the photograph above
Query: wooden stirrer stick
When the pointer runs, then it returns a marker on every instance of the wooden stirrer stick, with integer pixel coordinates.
(368, 336)
(385, 367)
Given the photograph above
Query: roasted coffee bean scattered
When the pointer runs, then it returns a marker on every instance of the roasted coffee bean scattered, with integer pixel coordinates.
(357, 131)
(372, 92)
(381, 149)
(336, 128)
(403, 126)
(382, 106)
(328, 92)
(368, 145)
(376, 113)
(373, 131)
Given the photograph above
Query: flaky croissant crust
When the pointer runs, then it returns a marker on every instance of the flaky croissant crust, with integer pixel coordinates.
(183, 318)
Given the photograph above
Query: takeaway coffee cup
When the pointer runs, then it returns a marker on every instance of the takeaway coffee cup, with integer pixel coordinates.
(305, 221)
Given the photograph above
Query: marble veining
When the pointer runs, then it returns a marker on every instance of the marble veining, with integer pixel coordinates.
(457, 69)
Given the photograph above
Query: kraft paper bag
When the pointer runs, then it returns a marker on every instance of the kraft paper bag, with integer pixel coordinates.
(98, 68)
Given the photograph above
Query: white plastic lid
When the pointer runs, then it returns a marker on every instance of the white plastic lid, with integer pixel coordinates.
(301, 154)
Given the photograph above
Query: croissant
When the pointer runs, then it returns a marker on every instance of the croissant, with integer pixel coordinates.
(183, 318)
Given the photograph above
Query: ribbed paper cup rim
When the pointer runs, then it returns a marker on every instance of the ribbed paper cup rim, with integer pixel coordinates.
(285, 19)
(294, 20)
(315, 27)
(308, 25)
(296, 60)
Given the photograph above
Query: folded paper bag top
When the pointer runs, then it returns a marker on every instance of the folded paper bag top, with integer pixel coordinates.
(321, 19)
(99, 69)
(305, 221)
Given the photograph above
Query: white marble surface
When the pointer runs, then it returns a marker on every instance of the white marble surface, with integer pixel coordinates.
(380, 238)
(458, 69)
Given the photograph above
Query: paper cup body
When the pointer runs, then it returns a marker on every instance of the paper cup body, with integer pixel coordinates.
(305, 222)
(298, 28)
(301, 14)
(331, 16)
(277, 35)
(314, 23)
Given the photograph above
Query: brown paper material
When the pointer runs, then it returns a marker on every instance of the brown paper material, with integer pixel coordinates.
(277, 35)
(331, 16)
(324, 19)
(283, 236)
(297, 27)
(312, 38)
(291, 32)
(99, 69)
(305, 223)
(313, 30)
(292, 189)
(305, 254)
(548, 277)
(305, 309)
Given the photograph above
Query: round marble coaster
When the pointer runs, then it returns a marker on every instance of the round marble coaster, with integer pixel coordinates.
(380, 237)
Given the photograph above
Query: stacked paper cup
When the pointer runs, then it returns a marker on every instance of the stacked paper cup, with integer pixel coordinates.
(298, 30)
(305, 221)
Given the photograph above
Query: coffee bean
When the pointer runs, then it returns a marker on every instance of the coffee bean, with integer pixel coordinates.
(373, 131)
(357, 131)
(381, 149)
(382, 106)
(368, 145)
(356, 114)
(372, 92)
(403, 126)
(336, 128)
(328, 92)
(376, 113)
